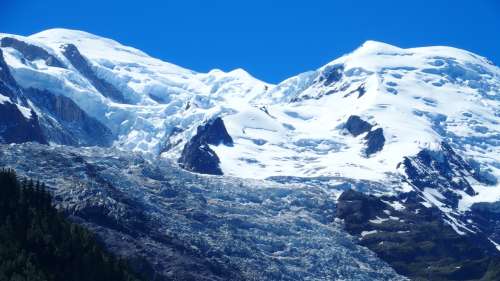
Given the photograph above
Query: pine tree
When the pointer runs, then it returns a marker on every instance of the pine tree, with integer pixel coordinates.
(37, 243)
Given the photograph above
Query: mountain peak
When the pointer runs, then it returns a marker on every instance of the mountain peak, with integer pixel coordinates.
(63, 33)
(414, 96)
(378, 45)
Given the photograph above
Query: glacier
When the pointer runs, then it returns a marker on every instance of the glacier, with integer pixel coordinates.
(418, 97)
(418, 124)
(195, 227)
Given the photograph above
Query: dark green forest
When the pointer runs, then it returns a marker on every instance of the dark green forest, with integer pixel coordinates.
(38, 243)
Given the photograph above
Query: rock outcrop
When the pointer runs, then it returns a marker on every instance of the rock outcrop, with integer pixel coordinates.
(415, 240)
(64, 122)
(79, 62)
(31, 52)
(375, 141)
(197, 156)
(357, 126)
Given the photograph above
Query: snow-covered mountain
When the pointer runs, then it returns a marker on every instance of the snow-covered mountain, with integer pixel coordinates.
(417, 127)
(192, 228)
(356, 117)
(142, 100)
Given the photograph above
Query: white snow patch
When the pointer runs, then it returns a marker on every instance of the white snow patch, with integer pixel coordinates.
(485, 193)
(4, 99)
(496, 244)
(395, 204)
(364, 233)
(378, 220)
(433, 196)
(26, 112)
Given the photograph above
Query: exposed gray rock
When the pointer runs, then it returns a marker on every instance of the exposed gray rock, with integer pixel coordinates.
(61, 120)
(357, 126)
(16, 128)
(64, 122)
(8, 85)
(79, 62)
(375, 141)
(31, 52)
(486, 216)
(415, 240)
(443, 170)
(197, 156)
(332, 74)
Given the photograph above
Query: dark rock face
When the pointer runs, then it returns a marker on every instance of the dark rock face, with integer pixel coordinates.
(357, 126)
(330, 77)
(447, 173)
(62, 121)
(200, 159)
(8, 86)
(486, 216)
(67, 123)
(31, 52)
(15, 128)
(360, 208)
(361, 91)
(6, 90)
(78, 61)
(197, 156)
(332, 74)
(415, 240)
(375, 141)
(215, 133)
(443, 170)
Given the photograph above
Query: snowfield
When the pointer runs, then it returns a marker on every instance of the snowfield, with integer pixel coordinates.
(401, 141)
(412, 99)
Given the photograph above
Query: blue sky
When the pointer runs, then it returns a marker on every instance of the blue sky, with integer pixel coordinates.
(272, 40)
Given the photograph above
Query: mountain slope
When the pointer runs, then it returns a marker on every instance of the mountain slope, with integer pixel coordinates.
(192, 227)
(418, 97)
(38, 243)
(416, 127)
(142, 100)
(444, 94)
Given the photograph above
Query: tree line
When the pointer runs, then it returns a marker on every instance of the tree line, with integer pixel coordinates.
(38, 243)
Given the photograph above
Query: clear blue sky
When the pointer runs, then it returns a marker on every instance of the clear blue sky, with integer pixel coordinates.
(270, 39)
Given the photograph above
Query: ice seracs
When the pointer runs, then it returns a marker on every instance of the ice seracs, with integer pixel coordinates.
(158, 97)
(417, 97)
(413, 133)
(413, 99)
